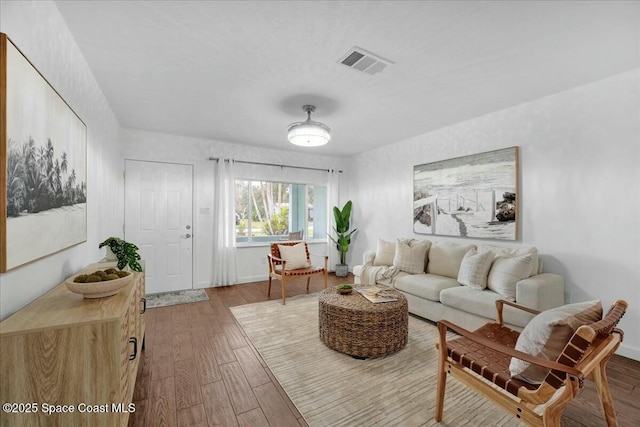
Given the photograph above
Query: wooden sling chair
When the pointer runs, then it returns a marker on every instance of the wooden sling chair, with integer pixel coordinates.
(278, 267)
(480, 360)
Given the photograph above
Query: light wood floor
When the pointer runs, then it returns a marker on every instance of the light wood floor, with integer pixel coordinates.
(198, 369)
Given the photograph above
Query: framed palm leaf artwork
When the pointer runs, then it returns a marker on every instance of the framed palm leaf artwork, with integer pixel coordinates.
(43, 172)
(473, 196)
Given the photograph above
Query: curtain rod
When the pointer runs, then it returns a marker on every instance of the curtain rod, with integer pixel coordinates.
(216, 159)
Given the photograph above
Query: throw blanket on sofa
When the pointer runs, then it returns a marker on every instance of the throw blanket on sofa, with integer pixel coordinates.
(372, 274)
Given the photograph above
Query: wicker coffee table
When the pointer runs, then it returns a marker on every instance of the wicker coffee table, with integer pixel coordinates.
(353, 325)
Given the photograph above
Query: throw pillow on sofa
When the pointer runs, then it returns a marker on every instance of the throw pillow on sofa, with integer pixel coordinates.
(296, 256)
(384, 253)
(506, 272)
(411, 255)
(445, 258)
(511, 252)
(547, 334)
(474, 269)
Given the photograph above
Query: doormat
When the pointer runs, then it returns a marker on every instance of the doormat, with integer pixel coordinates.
(176, 297)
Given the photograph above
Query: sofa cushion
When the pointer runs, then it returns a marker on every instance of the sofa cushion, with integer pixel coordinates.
(296, 256)
(506, 271)
(384, 253)
(510, 252)
(411, 255)
(445, 258)
(427, 286)
(548, 333)
(482, 303)
(474, 269)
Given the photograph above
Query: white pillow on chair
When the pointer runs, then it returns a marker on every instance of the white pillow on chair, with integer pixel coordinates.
(296, 256)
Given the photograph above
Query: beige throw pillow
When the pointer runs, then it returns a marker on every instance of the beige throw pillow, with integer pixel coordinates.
(548, 333)
(411, 255)
(384, 253)
(506, 271)
(510, 252)
(296, 256)
(445, 258)
(474, 269)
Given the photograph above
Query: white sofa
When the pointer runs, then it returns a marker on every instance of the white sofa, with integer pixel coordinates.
(429, 273)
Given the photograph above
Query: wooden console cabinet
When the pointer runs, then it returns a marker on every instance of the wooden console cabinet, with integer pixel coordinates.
(65, 353)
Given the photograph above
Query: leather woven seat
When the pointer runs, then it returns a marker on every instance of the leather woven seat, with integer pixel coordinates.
(481, 359)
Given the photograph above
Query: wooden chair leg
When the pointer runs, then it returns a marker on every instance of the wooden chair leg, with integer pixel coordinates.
(442, 374)
(269, 288)
(602, 386)
(284, 293)
(553, 413)
(308, 282)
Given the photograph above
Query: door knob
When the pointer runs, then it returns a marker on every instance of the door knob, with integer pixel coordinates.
(186, 236)
(188, 227)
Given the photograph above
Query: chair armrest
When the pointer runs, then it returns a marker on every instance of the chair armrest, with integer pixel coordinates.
(542, 291)
(271, 257)
(319, 255)
(442, 330)
(500, 304)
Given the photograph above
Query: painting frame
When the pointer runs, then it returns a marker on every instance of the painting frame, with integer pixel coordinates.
(43, 167)
(475, 196)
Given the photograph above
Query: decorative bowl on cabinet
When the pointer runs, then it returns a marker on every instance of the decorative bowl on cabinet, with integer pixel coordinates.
(101, 289)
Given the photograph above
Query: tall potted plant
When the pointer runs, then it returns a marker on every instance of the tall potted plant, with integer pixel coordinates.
(343, 238)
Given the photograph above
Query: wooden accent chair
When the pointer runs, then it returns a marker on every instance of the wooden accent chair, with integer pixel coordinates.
(278, 268)
(480, 360)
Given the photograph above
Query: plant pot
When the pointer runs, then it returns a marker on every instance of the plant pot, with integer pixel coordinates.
(342, 270)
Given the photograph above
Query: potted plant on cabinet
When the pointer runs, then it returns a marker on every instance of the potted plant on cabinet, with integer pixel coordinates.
(343, 236)
(125, 252)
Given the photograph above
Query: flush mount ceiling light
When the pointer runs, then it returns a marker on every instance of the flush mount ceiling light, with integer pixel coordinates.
(309, 133)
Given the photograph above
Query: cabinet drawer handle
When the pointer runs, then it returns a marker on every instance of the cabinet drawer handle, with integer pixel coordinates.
(134, 341)
(144, 305)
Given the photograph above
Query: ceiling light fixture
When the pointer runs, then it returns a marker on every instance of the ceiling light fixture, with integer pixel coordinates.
(309, 133)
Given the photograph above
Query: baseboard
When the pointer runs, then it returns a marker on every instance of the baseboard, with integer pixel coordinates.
(628, 351)
(256, 278)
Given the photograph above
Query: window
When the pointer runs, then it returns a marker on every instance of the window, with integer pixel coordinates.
(268, 211)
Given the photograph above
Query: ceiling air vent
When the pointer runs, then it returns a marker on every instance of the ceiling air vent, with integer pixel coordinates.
(365, 61)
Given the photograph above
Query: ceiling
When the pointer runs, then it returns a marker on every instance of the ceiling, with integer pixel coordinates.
(240, 71)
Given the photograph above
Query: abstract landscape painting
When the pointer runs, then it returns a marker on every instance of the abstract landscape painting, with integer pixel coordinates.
(45, 173)
(472, 196)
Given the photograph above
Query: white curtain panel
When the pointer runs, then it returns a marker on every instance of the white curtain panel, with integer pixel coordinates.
(224, 240)
(333, 181)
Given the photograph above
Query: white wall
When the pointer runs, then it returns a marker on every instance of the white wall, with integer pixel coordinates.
(37, 28)
(150, 146)
(580, 186)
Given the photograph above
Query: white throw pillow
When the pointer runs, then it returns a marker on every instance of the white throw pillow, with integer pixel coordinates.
(506, 272)
(296, 256)
(507, 252)
(474, 269)
(384, 253)
(547, 334)
(411, 255)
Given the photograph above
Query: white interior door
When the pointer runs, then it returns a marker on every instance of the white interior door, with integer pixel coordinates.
(158, 218)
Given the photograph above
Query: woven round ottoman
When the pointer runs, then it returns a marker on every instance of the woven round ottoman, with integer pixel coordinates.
(353, 325)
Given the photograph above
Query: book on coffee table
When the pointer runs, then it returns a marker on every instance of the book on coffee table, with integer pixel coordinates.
(376, 294)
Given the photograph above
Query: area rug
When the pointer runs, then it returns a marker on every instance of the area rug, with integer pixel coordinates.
(175, 297)
(333, 389)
